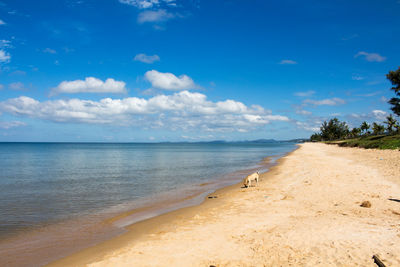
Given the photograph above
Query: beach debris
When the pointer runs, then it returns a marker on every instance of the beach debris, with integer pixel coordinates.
(393, 199)
(377, 261)
(287, 197)
(395, 212)
(212, 197)
(366, 204)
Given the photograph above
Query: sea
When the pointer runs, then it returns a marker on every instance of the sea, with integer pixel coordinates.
(55, 197)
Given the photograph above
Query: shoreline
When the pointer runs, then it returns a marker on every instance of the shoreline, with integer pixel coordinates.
(138, 229)
(306, 211)
(103, 228)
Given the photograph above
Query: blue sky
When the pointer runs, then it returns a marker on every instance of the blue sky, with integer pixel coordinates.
(174, 70)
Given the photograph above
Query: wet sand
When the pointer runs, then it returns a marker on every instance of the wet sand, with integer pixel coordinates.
(47, 243)
(304, 212)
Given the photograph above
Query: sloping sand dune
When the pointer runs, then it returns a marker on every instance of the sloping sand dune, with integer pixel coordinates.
(305, 212)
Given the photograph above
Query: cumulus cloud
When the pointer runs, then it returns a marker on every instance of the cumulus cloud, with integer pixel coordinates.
(5, 57)
(146, 59)
(379, 114)
(143, 4)
(168, 81)
(371, 57)
(11, 124)
(90, 85)
(308, 126)
(328, 102)
(305, 94)
(183, 110)
(355, 119)
(154, 16)
(287, 62)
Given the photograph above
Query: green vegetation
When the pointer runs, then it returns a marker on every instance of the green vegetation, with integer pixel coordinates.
(394, 78)
(377, 141)
(332, 130)
(337, 132)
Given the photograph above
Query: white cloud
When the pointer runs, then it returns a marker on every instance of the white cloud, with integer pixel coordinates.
(154, 16)
(90, 85)
(5, 43)
(49, 51)
(1, 87)
(312, 127)
(303, 112)
(2, 22)
(140, 3)
(11, 124)
(328, 102)
(371, 57)
(287, 62)
(370, 94)
(146, 59)
(384, 99)
(143, 4)
(4, 56)
(355, 119)
(304, 94)
(379, 114)
(357, 78)
(168, 81)
(182, 110)
(16, 86)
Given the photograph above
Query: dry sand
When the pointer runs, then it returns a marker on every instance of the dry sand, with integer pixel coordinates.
(305, 212)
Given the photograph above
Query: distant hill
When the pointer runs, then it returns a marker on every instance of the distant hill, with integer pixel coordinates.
(257, 141)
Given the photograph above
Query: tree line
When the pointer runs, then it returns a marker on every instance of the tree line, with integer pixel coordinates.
(337, 130)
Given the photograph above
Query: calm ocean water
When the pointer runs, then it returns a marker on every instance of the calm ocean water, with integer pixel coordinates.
(45, 183)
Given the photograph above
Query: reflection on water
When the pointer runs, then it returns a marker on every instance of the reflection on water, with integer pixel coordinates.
(41, 182)
(48, 184)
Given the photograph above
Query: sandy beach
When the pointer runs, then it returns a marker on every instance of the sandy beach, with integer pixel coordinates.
(306, 211)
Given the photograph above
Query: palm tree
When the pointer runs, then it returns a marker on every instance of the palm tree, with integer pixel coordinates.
(391, 122)
(364, 127)
(355, 132)
(378, 128)
(397, 127)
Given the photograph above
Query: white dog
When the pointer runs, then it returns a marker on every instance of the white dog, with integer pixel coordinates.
(252, 177)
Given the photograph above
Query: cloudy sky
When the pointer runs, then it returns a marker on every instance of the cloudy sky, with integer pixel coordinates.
(192, 70)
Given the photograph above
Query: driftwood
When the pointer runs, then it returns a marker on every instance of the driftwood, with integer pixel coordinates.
(366, 204)
(378, 261)
(393, 199)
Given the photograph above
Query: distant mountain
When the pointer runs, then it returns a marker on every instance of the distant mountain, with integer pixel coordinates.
(257, 141)
(264, 141)
(298, 140)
